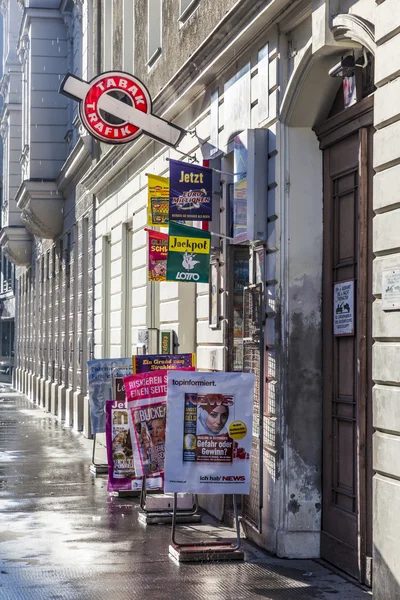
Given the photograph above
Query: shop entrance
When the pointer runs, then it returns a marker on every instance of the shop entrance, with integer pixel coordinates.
(346, 141)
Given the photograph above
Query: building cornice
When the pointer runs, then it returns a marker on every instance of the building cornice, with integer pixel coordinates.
(241, 26)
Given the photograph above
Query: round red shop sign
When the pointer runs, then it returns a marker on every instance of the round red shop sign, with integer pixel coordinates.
(104, 125)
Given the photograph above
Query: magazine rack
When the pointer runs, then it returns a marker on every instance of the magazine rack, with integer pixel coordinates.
(162, 515)
(102, 468)
(205, 551)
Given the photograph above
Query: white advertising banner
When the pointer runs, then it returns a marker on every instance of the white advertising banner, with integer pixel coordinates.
(209, 432)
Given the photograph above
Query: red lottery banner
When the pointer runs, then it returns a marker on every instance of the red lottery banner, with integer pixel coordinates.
(158, 249)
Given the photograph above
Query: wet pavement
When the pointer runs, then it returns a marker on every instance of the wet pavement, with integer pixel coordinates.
(63, 537)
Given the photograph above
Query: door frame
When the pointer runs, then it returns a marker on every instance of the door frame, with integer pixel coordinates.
(358, 118)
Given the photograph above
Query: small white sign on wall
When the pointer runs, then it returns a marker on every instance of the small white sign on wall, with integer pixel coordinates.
(343, 308)
(391, 289)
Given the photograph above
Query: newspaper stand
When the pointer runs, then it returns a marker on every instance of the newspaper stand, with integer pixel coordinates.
(205, 551)
(162, 514)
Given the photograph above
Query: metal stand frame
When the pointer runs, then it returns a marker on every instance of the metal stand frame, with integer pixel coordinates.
(97, 468)
(159, 516)
(202, 551)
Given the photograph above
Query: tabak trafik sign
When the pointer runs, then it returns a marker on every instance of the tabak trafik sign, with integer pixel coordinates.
(116, 108)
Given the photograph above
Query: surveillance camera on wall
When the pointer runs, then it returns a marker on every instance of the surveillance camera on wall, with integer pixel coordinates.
(345, 68)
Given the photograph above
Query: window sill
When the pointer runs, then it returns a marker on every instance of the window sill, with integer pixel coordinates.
(154, 57)
(188, 11)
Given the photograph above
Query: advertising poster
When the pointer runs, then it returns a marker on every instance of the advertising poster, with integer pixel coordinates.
(100, 384)
(146, 395)
(158, 248)
(190, 192)
(143, 363)
(188, 256)
(239, 191)
(158, 200)
(343, 308)
(121, 469)
(209, 433)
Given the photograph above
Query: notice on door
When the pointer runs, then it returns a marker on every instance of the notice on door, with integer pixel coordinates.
(343, 308)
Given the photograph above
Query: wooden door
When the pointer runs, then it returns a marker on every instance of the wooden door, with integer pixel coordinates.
(347, 478)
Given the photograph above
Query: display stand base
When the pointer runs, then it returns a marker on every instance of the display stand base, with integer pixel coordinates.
(203, 554)
(157, 510)
(205, 551)
(97, 469)
(166, 518)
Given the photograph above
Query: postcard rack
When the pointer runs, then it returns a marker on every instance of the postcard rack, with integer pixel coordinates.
(205, 550)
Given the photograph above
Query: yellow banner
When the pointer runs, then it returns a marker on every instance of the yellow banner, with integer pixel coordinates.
(186, 244)
(158, 200)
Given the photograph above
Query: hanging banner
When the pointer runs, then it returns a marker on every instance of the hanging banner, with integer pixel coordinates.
(209, 433)
(158, 200)
(100, 385)
(143, 363)
(121, 468)
(190, 192)
(158, 249)
(188, 256)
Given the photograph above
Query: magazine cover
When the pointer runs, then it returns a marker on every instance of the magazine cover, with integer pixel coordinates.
(121, 469)
(146, 395)
(100, 384)
(209, 433)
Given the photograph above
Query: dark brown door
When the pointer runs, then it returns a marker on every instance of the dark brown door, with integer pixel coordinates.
(346, 517)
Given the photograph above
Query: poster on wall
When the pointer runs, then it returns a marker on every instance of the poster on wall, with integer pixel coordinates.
(391, 289)
(343, 308)
(209, 433)
(121, 468)
(101, 374)
(190, 192)
(143, 363)
(157, 200)
(157, 255)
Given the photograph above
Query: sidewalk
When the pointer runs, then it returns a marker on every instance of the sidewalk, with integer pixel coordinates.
(63, 537)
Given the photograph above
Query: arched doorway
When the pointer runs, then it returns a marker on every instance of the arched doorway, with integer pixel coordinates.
(316, 100)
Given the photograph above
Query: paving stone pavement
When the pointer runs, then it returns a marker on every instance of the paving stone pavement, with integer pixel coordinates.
(63, 537)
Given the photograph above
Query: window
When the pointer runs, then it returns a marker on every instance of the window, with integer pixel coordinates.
(128, 33)
(106, 260)
(154, 31)
(107, 29)
(187, 7)
(127, 283)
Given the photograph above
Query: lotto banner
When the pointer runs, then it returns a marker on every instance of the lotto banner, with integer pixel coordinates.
(142, 363)
(209, 433)
(188, 256)
(190, 192)
(158, 200)
(158, 248)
